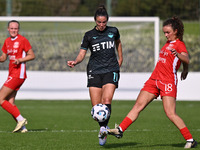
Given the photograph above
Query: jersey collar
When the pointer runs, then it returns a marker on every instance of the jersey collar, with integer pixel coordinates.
(12, 39)
(173, 41)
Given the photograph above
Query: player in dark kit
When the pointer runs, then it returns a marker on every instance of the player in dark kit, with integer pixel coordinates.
(103, 67)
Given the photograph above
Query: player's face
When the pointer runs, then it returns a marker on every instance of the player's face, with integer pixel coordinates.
(101, 22)
(170, 34)
(13, 29)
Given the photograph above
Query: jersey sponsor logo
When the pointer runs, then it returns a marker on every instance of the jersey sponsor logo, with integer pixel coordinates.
(16, 45)
(165, 53)
(110, 35)
(12, 57)
(104, 45)
(163, 60)
(13, 51)
(96, 47)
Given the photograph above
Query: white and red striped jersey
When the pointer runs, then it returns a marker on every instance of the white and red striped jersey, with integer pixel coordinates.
(16, 48)
(168, 65)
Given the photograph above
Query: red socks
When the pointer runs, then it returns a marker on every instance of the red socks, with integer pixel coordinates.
(186, 133)
(13, 110)
(125, 123)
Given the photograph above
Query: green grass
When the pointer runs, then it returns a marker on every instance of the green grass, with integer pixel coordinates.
(192, 28)
(67, 125)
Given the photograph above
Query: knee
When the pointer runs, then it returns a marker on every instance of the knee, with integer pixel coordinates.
(139, 107)
(106, 101)
(1, 101)
(170, 115)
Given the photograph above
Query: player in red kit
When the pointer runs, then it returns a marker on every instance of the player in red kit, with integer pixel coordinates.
(163, 82)
(18, 49)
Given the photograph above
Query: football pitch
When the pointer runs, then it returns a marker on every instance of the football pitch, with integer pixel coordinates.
(68, 125)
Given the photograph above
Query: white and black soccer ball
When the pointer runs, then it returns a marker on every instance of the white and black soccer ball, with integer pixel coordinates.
(100, 112)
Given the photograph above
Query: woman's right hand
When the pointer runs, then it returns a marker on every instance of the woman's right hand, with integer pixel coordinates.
(71, 64)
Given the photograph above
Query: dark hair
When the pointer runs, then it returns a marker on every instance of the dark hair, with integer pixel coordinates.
(176, 24)
(14, 21)
(101, 11)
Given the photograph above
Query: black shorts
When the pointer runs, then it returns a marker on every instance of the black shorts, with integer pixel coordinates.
(98, 80)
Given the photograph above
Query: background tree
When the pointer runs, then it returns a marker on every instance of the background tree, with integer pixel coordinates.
(185, 9)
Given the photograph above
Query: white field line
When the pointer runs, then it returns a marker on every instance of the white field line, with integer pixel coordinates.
(86, 131)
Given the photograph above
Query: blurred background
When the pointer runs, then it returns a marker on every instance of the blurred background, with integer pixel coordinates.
(56, 42)
(185, 9)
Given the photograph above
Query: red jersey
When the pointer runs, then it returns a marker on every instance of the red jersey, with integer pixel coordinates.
(168, 65)
(16, 48)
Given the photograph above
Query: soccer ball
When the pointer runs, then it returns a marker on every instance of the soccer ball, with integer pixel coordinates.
(100, 112)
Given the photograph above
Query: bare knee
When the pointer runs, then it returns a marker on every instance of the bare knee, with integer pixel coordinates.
(106, 101)
(139, 106)
(170, 115)
(1, 101)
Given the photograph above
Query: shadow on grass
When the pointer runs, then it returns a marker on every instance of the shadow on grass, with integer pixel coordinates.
(178, 145)
(140, 145)
(118, 145)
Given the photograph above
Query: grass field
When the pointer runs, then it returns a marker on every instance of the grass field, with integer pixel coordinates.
(68, 125)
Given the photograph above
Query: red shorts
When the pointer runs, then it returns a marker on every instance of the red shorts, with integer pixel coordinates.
(14, 83)
(158, 87)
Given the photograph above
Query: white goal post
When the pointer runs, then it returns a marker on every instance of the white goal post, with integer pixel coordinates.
(155, 20)
(140, 40)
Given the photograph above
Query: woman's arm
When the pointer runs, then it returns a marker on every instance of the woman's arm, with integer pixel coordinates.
(184, 72)
(3, 57)
(182, 56)
(78, 59)
(119, 51)
(29, 56)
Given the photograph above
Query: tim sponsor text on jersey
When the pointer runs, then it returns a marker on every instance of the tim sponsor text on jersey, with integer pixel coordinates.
(103, 45)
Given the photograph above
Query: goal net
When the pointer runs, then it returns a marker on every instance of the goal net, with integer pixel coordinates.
(57, 39)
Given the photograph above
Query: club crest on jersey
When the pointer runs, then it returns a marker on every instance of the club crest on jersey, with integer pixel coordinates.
(16, 45)
(95, 37)
(110, 35)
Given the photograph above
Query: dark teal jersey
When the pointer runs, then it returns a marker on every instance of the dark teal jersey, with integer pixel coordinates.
(103, 58)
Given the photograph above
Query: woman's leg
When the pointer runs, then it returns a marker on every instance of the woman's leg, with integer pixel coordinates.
(169, 104)
(5, 92)
(95, 95)
(107, 96)
(7, 98)
(143, 99)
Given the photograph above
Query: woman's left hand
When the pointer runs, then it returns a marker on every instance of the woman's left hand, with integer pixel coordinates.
(16, 62)
(184, 75)
(174, 52)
